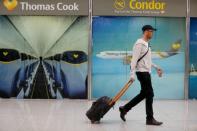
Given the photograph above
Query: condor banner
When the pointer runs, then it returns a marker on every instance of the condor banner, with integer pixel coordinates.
(43, 49)
(114, 35)
(140, 7)
(193, 53)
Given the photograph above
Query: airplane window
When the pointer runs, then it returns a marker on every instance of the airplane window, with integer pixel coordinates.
(8, 55)
(74, 57)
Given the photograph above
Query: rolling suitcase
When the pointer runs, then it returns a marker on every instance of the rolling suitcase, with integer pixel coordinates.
(102, 105)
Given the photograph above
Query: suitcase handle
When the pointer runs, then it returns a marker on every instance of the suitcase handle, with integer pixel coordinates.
(123, 90)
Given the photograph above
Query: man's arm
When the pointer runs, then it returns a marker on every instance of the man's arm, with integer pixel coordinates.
(136, 54)
(159, 70)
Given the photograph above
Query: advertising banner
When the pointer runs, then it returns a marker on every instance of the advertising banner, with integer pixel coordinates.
(113, 40)
(193, 9)
(169, 8)
(44, 7)
(193, 60)
(44, 56)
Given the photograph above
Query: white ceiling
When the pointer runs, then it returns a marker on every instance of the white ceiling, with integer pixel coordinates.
(10, 38)
(44, 35)
(75, 38)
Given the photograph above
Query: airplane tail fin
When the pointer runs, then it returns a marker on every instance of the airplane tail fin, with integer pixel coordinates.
(175, 47)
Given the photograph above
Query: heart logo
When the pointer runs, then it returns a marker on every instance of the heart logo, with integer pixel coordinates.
(10, 4)
(76, 55)
(5, 53)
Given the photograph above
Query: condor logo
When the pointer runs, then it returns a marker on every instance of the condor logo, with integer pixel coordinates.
(119, 4)
(10, 4)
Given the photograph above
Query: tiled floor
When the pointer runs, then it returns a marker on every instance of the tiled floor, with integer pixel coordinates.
(69, 115)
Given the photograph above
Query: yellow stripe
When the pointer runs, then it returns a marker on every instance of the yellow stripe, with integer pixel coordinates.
(75, 64)
(4, 62)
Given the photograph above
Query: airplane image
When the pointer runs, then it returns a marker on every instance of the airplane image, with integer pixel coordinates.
(127, 55)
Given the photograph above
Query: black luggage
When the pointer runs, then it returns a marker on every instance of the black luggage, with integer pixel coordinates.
(102, 105)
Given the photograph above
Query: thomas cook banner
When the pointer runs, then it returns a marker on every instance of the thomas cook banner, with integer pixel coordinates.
(43, 57)
(44, 7)
(140, 7)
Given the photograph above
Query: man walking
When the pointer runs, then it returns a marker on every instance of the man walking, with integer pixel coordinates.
(141, 65)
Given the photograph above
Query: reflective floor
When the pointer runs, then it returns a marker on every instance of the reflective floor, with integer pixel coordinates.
(69, 115)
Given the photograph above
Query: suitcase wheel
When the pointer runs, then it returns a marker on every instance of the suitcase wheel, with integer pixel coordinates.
(95, 122)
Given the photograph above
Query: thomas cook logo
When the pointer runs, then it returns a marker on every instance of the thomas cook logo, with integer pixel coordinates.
(119, 4)
(10, 4)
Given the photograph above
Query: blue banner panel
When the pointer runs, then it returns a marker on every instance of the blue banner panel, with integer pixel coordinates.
(193, 60)
(113, 40)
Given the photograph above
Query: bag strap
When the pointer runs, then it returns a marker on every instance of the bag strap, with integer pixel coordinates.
(143, 55)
